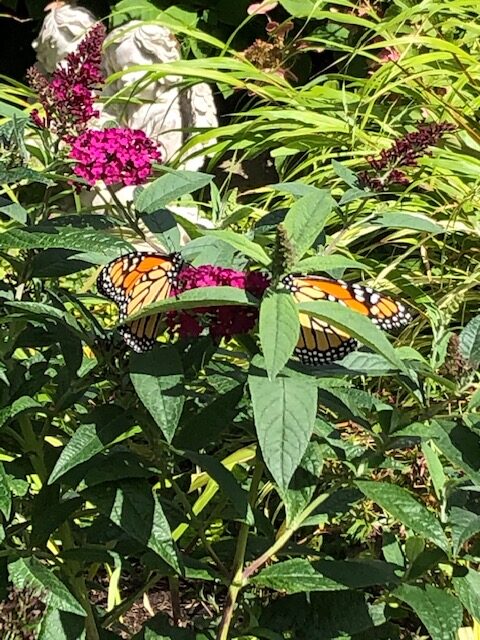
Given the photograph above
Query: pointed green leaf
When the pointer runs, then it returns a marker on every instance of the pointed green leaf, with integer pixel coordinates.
(284, 411)
(30, 573)
(201, 297)
(299, 574)
(416, 222)
(328, 264)
(279, 330)
(58, 625)
(305, 479)
(157, 376)
(103, 426)
(439, 611)
(306, 219)
(64, 238)
(470, 341)
(133, 507)
(466, 583)
(405, 508)
(169, 188)
(242, 244)
(464, 525)
(5, 493)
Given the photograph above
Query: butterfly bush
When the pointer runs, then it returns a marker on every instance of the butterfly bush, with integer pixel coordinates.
(404, 152)
(68, 97)
(116, 156)
(221, 321)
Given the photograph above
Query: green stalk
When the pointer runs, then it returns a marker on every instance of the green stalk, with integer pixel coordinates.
(236, 584)
(282, 540)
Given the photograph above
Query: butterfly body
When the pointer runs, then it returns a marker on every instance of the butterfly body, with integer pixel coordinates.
(321, 343)
(134, 281)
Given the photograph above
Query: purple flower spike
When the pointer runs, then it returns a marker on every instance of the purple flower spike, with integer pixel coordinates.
(405, 152)
(68, 97)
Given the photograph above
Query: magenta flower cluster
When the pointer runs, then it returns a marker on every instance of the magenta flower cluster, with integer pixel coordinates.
(116, 156)
(68, 96)
(405, 152)
(221, 321)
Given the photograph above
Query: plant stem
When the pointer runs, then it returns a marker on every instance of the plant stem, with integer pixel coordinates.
(173, 584)
(282, 540)
(236, 584)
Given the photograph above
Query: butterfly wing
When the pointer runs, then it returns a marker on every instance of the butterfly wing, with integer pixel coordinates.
(320, 342)
(134, 281)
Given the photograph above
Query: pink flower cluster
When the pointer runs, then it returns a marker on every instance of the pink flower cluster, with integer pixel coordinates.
(68, 97)
(221, 321)
(116, 156)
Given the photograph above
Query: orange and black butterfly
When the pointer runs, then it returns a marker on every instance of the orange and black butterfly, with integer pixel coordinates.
(134, 281)
(321, 343)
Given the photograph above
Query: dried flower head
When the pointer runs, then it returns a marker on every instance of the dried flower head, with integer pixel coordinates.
(221, 321)
(405, 152)
(455, 365)
(116, 156)
(68, 96)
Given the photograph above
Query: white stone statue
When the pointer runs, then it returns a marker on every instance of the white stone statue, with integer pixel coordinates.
(166, 112)
(63, 27)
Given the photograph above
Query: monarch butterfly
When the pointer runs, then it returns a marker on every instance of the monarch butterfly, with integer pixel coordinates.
(133, 281)
(319, 342)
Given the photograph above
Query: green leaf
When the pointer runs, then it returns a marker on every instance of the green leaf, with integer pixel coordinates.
(24, 404)
(18, 174)
(30, 573)
(302, 8)
(163, 225)
(64, 238)
(346, 174)
(327, 264)
(306, 219)
(58, 625)
(227, 483)
(242, 244)
(103, 426)
(464, 525)
(132, 506)
(284, 412)
(356, 325)
(435, 469)
(157, 377)
(296, 189)
(404, 507)
(466, 583)
(279, 330)
(305, 479)
(470, 341)
(415, 222)
(439, 611)
(169, 188)
(13, 210)
(201, 297)
(459, 444)
(5, 493)
(298, 575)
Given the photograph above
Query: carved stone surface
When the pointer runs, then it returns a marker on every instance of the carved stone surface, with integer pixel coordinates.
(167, 111)
(63, 27)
